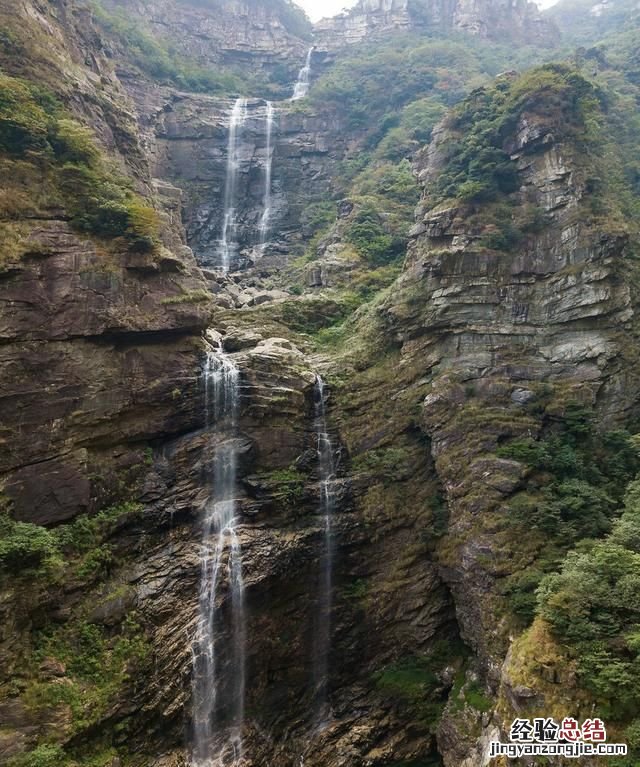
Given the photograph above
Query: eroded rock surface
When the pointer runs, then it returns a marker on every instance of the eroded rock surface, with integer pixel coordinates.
(368, 18)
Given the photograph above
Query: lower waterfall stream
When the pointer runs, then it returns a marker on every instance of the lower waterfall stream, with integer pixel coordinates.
(322, 632)
(221, 561)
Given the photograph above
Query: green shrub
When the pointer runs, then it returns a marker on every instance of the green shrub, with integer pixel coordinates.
(317, 217)
(505, 236)
(409, 678)
(356, 590)
(388, 464)
(73, 143)
(24, 546)
(574, 492)
(24, 124)
(367, 234)
(592, 606)
(392, 182)
(632, 735)
(412, 683)
(380, 77)
(293, 18)
(86, 532)
(479, 167)
(476, 698)
(33, 127)
(417, 121)
(287, 486)
(520, 590)
(98, 666)
(42, 756)
(97, 564)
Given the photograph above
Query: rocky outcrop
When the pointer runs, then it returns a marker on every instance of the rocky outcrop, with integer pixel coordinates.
(255, 37)
(187, 136)
(366, 18)
(493, 20)
(491, 329)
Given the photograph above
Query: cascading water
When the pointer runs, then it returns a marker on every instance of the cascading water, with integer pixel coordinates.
(327, 476)
(228, 241)
(301, 88)
(266, 200)
(218, 743)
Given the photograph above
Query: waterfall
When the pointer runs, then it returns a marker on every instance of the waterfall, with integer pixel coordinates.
(266, 200)
(302, 85)
(327, 475)
(228, 241)
(221, 561)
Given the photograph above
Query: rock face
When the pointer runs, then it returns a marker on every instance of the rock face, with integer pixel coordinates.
(103, 412)
(85, 326)
(494, 20)
(100, 357)
(95, 336)
(490, 329)
(258, 37)
(187, 139)
(366, 18)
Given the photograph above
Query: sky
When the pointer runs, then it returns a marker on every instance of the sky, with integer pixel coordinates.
(318, 9)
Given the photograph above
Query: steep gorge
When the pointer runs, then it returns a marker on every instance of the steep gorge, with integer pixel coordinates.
(511, 308)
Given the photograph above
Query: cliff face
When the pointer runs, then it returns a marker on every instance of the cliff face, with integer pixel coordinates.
(512, 303)
(99, 358)
(101, 315)
(188, 144)
(104, 445)
(253, 35)
(494, 20)
(507, 339)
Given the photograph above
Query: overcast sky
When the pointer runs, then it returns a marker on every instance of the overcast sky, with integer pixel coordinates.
(317, 9)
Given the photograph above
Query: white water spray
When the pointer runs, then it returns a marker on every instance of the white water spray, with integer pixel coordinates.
(301, 88)
(327, 476)
(266, 199)
(217, 743)
(228, 245)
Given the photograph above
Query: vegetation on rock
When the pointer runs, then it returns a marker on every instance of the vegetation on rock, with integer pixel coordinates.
(40, 140)
(479, 167)
(574, 489)
(592, 608)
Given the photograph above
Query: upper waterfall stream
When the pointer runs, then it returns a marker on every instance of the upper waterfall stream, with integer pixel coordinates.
(238, 182)
(266, 200)
(301, 88)
(228, 242)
